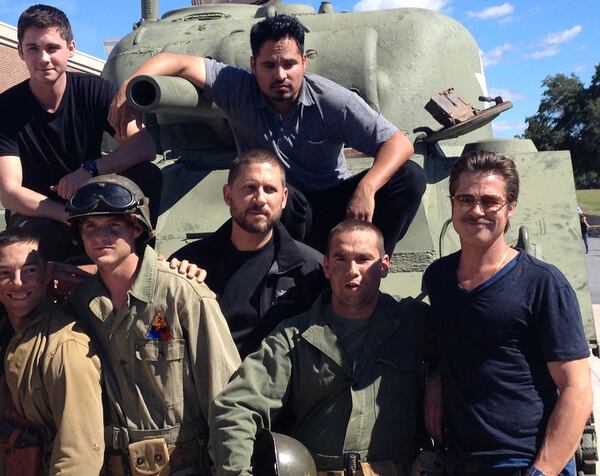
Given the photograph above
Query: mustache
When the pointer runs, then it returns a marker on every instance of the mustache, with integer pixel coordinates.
(257, 208)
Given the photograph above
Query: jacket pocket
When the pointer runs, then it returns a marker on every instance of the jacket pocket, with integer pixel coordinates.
(396, 388)
(159, 374)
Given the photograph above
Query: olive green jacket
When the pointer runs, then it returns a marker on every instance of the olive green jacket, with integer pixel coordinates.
(300, 366)
(160, 381)
(53, 376)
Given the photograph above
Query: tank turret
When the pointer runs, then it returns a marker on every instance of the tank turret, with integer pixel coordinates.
(398, 61)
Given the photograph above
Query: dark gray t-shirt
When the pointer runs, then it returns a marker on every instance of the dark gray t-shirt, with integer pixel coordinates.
(310, 139)
(351, 333)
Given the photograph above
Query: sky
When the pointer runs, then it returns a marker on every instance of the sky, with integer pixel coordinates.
(522, 42)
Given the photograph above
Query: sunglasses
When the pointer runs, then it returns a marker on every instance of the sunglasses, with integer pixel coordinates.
(112, 195)
(489, 203)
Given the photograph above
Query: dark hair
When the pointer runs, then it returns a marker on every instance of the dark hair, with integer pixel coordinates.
(491, 163)
(13, 236)
(487, 162)
(275, 28)
(44, 16)
(353, 224)
(254, 156)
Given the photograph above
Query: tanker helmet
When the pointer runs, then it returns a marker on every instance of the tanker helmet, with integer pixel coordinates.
(280, 455)
(110, 195)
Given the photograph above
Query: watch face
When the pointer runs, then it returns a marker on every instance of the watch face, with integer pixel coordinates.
(91, 167)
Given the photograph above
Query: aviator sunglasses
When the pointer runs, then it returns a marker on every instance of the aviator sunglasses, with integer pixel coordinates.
(113, 195)
(489, 203)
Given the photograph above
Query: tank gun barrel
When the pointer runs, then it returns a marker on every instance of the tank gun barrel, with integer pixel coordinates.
(169, 95)
(150, 10)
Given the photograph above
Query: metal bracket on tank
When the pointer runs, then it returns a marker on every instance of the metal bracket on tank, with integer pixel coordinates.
(523, 240)
(457, 116)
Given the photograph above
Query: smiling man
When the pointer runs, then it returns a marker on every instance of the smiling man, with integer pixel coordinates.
(306, 121)
(515, 377)
(347, 371)
(51, 371)
(51, 133)
(165, 346)
(259, 273)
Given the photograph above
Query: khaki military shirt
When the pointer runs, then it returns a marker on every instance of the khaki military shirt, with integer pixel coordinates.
(168, 349)
(54, 378)
(368, 406)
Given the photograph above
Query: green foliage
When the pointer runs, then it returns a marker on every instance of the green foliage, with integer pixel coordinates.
(589, 201)
(569, 118)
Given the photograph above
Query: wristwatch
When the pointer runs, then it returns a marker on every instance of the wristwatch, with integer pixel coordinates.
(91, 167)
(533, 471)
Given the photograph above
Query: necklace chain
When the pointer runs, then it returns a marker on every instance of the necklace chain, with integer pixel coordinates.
(501, 261)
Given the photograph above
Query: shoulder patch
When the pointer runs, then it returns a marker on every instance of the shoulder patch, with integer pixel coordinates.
(159, 328)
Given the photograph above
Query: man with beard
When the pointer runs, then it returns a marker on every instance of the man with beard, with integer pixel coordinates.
(306, 120)
(259, 273)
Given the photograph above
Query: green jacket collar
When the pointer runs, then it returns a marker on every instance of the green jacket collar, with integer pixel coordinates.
(384, 323)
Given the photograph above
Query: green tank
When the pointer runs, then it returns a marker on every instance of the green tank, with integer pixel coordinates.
(397, 60)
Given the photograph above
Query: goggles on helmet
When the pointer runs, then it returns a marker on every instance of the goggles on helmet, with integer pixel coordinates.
(113, 196)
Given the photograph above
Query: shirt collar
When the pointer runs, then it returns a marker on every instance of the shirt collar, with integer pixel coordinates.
(143, 286)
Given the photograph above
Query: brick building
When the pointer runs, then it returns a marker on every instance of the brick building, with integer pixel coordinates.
(13, 70)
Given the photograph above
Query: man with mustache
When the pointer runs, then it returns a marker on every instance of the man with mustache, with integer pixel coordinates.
(514, 371)
(259, 273)
(306, 121)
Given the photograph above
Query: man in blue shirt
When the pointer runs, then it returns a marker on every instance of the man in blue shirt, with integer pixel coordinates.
(306, 121)
(514, 373)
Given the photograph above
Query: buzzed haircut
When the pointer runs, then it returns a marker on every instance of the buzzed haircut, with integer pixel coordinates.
(254, 156)
(354, 224)
(487, 162)
(44, 16)
(276, 28)
(14, 236)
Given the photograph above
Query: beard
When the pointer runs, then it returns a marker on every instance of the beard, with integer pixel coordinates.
(250, 224)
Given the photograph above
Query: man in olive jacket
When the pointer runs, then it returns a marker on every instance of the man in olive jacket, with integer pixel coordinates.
(347, 369)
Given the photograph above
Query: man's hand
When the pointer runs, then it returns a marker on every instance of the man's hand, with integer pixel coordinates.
(434, 410)
(190, 270)
(70, 183)
(361, 205)
(121, 114)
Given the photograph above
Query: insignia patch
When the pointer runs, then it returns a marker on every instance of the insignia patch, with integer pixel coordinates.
(159, 329)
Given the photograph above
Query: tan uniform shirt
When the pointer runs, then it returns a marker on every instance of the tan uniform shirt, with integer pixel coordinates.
(169, 349)
(54, 378)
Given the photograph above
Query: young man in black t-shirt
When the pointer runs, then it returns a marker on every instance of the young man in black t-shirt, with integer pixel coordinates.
(51, 131)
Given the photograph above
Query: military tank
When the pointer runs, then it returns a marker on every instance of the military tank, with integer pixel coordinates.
(397, 60)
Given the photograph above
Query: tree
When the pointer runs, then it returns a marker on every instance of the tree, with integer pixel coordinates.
(569, 118)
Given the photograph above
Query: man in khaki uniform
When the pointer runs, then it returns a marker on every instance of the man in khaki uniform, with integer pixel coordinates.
(51, 372)
(165, 346)
(348, 370)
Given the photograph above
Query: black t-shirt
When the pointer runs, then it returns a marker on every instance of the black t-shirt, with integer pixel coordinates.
(52, 145)
(240, 298)
(495, 342)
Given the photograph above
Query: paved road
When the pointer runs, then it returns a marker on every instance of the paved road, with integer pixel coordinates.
(593, 267)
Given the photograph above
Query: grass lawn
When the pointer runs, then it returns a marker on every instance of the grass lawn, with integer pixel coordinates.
(589, 201)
